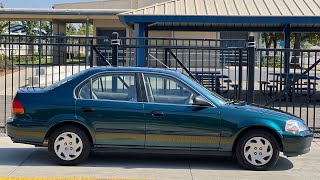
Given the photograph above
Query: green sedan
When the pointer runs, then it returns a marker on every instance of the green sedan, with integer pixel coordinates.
(132, 109)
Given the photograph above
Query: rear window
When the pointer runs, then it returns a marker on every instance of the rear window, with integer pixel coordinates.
(63, 81)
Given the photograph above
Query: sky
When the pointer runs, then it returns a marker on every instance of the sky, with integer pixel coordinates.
(36, 3)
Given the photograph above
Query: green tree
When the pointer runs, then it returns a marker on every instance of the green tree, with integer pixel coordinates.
(272, 39)
(297, 39)
(3, 24)
(82, 29)
(30, 27)
(46, 28)
(71, 30)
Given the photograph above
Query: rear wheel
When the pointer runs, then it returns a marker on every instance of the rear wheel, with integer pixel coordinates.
(257, 150)
(69, 145)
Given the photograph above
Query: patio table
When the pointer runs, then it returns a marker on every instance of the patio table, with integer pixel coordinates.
(297, 88)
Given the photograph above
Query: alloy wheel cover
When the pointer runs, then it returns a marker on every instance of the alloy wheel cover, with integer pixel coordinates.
(68, 146)
(258, 151)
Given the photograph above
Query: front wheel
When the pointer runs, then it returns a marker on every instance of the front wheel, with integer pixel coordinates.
(69, 145)
(257, 150)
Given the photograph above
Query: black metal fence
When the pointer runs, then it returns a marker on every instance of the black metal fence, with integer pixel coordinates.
(285, 79)
(34, 61)
(291, 86)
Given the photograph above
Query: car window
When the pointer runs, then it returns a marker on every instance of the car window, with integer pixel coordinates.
(85, 91)
(110, 87)
(163, 89)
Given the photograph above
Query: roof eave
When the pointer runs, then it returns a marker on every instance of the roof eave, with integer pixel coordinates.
(19, 11)
(219, 19)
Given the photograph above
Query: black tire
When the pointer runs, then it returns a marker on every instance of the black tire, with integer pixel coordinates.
(240, 155)
(86, 148)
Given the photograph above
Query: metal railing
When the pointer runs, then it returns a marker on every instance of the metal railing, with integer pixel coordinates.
(36, 61)
(294, 89)
(242, 73)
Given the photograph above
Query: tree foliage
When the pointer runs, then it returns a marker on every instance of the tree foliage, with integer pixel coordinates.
(30, 27)
(46, 27)
(71, 30)
(271, 39)
(297, 39)
(33, 28)
(82, 29)
(3, 24)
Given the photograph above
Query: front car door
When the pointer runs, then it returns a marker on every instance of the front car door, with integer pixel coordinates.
(172, 121)
(111, 103)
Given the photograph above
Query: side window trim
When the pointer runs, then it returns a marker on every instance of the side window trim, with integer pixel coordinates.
(169, 77)
(90, 85)
(90, 80)
(144, 88)
(141, 90)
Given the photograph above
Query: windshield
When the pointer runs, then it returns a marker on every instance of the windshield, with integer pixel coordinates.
(63, 81)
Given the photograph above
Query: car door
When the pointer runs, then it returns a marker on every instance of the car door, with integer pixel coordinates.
(171, 119)
(111, 103)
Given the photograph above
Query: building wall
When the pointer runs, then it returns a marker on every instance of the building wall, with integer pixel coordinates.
(115, 24)
(144, 3)
(108, 4)
(112, 23)
(195, 35)
(112, 4)
(160, 34)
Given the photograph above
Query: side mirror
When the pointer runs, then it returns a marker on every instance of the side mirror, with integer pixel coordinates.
(200, 101)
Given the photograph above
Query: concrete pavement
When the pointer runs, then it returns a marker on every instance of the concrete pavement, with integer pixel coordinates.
(18, 160)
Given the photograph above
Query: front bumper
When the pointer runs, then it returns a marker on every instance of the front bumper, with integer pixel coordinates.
(295, 144)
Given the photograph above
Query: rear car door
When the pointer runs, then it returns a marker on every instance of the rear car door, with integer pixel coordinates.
(111, 103)
(171, 119)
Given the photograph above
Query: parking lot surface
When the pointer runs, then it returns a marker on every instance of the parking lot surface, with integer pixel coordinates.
(24, 161)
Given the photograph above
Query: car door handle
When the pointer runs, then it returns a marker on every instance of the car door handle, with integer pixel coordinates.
(157, 113)
(87, 109)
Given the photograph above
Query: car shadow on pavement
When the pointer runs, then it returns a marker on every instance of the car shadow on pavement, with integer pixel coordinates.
(173, 161)
(40, 157)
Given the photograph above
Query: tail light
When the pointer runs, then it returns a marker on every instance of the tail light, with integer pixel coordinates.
(17, 107)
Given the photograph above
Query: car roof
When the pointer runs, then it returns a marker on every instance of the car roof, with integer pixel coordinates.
(140, 69)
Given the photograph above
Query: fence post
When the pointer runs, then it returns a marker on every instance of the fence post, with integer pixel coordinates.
(251, 64)
(91, 53)
(240, 75)
(287, 33)
(115, 43)
(140, 58)
(166, 57)
(146, 49)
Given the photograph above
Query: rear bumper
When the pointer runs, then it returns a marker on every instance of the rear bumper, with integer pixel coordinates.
(297, 144)
(25, 132)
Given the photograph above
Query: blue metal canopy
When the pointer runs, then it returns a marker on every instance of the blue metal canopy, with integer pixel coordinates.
(245, 15)
(225, 15)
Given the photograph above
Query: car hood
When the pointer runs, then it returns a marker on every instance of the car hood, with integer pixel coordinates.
(255, 108)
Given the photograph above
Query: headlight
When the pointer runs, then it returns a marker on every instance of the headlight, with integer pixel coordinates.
(295, 126)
